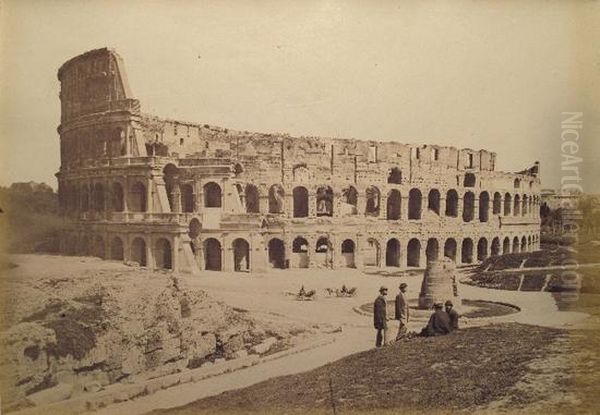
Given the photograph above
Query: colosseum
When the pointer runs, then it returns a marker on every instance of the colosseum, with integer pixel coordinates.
(191, 197)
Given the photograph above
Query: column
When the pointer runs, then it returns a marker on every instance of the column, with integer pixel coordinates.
(175, 252)
(312, 203)
(361, 204)
(226, 255)
(458, 251)
(423, 254)
(404, 208)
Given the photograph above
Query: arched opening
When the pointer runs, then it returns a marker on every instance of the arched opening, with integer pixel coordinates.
(506, 246)
(395, 176)
(372, 202)
(392, 253)
(482, 249)
(469, 180)
(116, 145)
(194, 228)
(452, 203)
(467, 251)
(300, 252)
(99, 250)
(241, 255)
(116, 249)
(237, 169)
(523, 244)
(117, 197)
(276, 253)
(433, 201)
(212, 195)
(517, 206)
(170, 177)
(529, 243)
(252, 199)
(300, 195)
(348, 253)
(450, 249)
(517, 183)
(497, 204)
(187, 198)
(394, 205)
(413, 253)
(138, 251)
(507, 204)
(414, 204)
(276, 197)
(515, 244)
(98, 197)
(495, 251)
(162, 254)
(525, 205)
(484, 207)
(371, 253)
(432, 250)
(323, 252)
(85, 198)
(137, 197)
(324, 201)
(350, 201)
(212, 255)
(468, 207)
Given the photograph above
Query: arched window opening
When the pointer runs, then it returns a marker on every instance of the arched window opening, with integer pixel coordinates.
(373, 198)
(241, 255)
(495, 251)
(212, 254)
(300, 195)
(276, 198)
(507, 204)
(506, 246)
(163, 254)
(413, 253)
(497, 204)
(484, 207)
(467, 251)
(392, 253)
(482, 249)
(116, 249)
(371, 253)
(450, 249)
(276, 253)
(252, 199)
(469, 180)
(138, 251)
(414, 204)
(350, 201)
(117, 197)
(300, 251)
(212, 195)
(468, 207)
(324, 201)
(452, 203)
(137, 197)
(348, 253)
(187, 198)
(394, 205)
(517, 206)
(98, 197)
(515, 244)
(433, 201)
(432, 250)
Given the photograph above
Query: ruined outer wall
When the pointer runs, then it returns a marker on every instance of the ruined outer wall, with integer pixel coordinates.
(135, 187)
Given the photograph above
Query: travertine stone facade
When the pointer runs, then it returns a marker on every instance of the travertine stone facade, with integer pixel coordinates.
(190, 197)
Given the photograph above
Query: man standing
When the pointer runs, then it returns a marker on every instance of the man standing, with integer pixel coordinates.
(380, 318)
(439, 322)
(402, 311)
(452, 314)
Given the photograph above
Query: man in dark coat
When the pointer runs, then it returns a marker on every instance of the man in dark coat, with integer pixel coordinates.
(380, 318)
(439, 322)
(452, 314)
(402, 311)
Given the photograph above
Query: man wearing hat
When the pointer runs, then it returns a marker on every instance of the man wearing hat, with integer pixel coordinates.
(438, 324)
(402, 311)
(380, 318)
(452, 314)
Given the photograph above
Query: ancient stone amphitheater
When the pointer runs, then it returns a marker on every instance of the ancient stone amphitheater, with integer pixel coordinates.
(190, 197)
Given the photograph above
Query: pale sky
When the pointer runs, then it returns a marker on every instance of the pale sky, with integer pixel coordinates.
(477, 74)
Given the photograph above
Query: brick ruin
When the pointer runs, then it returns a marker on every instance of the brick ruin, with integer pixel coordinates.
(190, 197)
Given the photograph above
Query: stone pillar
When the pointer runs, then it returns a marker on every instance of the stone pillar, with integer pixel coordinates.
(312, 204)
(175, 252)
(149, 195)
(361, 204)
(227, 255)
(403, 250)
(125, 195)
(263, 203)
(404, 209)
(199, 254)
(150, 254)
(438, 284)
(198, 196)
(423, 255)
(258, 254)
(360, 242)
(459, 251)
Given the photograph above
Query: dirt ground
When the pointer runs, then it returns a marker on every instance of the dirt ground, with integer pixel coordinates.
(270, 297)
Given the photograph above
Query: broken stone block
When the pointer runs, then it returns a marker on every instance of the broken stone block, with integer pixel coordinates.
(438, 283)
(265, 346)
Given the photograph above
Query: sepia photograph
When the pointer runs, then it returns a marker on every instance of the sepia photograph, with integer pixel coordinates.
(299, 207)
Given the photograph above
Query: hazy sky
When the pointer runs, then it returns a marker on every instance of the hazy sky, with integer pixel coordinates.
(477, 74)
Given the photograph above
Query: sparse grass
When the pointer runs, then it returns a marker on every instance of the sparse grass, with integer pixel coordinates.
(466, 369)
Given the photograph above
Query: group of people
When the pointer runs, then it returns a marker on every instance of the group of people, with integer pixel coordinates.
(443, 320)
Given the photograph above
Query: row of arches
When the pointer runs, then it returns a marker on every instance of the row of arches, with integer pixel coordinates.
(321, 254)
(96, 197)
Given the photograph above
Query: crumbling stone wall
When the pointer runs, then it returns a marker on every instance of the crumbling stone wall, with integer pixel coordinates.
(192, 196)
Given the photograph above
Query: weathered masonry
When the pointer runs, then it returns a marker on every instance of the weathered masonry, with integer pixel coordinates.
(191, 197)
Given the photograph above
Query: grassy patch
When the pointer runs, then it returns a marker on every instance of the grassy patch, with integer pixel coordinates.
(463, 370)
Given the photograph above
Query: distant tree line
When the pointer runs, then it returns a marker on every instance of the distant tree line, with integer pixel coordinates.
(30, 221)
